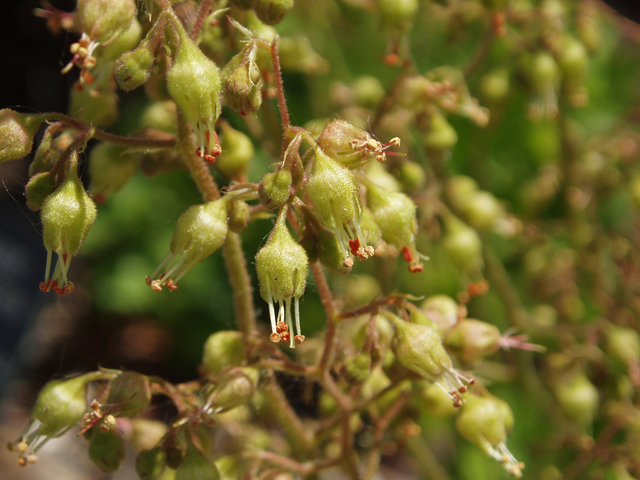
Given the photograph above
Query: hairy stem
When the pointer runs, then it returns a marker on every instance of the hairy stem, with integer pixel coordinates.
(205, 10)
(240, 283)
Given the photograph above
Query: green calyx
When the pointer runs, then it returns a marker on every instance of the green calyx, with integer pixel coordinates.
(39, 187)
(274, 190)
(67, 214)
(349, 145)
(234, 387)
(193, 81)
(103, 21)
(16, 134)
(134, 67)
(242, 82)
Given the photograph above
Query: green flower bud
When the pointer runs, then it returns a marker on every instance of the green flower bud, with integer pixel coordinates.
(486, 421)
(110, 168)
(281, 265)
(441, 135)
(239, 214)
(419, 348)
(368, 91)
(97, 105)
(106, 450)
(234, 387)
(66, 214)
(395, 213)
(398, 15)
(359, 290)
(443, 310)
(237, 153)
(160, 115)
(495, 85)
(573, 61)
(134, 67)
(242, 82)
(125, 42)
(544, 76)
(622, 345)
(16, 134)
(39, 187)
(104, 20)
(150, 463)
(196, 466)
(412, 176)
(59, 407)
(275, 188)
(297, 55)
(437, 402)
(47, 153)
(200, 231)
(358, 368)
(463, 245)
(334, 192)
(272, 12)
(193, 82)
(472, 340)
(351, 146)
(578, 398)
(223, 349)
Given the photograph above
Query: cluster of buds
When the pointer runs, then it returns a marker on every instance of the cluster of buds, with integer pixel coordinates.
(282, 270)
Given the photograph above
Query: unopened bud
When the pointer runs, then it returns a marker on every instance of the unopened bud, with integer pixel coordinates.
(242, 82)
(441, 135)
(110, 168)
(358, 367)
(16, 134)
(443, 310)
(239, 213)
(398, 15)
(472, 340)
(223, 349)
(463, 245)
(104, 20)
(578, 398)
(237, 153)
(495, 85)
(275, 188)
(622, 345)
(96, 104)
(39, 187)
(368, 91)
(134, 67)
(272, 12)
(234, 387)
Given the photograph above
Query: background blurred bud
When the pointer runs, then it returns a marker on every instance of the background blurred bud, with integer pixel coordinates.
(223, 349)
(110, 168)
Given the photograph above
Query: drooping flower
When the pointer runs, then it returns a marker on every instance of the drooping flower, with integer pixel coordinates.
(67, 214)
(282, 270)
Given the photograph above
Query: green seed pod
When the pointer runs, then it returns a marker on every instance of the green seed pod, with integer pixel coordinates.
(16, 134)
(578, 398)
(105, 20)
(234, 387)
(275, 189)
(334, 192)
(441, 135)
(110, 168)
(106, 450)
(200, 231)
(443, 310)
(281, 265)
(398, 15)
(419, 348)
(463, 245)
(66, 214)
(395, 213)
(495, 85)
(193, 81)
(237, 153)
(223, 349)
(39, 187)
(150, 463)
(272, 12)
(196, 466)
(96, 105)
(486, 421)
(134, 67)
(242, 82)
(472, 340)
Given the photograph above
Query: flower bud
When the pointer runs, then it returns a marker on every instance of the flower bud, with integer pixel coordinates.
(436, 401)
(441, 135)
(150, 463)
(334, 192)
(242, 82)
(443, 310)
(66, 214)
(398, 15)
(105, 20)
(411, 176)
(419, 348)
(125, 42)
(495, 85)
(16, 134)
(237, 153)
(578, 398)
(193, 82)
(368, 92)
(134, 67)
(106, 450)
(622, 345)
(223, 349)
(272, 12)
(200, 231)
(358, 368)
(472, 339)
(281, 265)
(39, 187)
(395, 213)
(463, 245)
(110, 168)
(239, 214)
(196, 465)
(486, 421)
(96, 105)
(275, 188)
(234, 387)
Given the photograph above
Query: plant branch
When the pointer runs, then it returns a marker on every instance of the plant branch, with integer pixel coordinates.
(240, 283)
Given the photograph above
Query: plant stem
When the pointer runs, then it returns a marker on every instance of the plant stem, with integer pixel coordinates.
(240, 283)
(205, 9)
(329, 307)
(277, 73)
